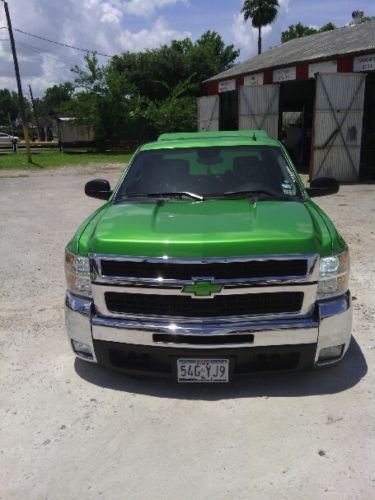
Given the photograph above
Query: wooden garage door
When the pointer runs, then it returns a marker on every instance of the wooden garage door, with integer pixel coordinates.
(259, 108)
(337, 130)
(208, 113)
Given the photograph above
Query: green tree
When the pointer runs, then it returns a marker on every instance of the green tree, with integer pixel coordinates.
(177, 112)
(180, 60)
(8, 106)
(55, 99)
(296, 31)
(261, 13)
(9, 111)
(103, 100)
(209, 55)
(365, 19)
(327, 27)
(299, 30)
(138, 95)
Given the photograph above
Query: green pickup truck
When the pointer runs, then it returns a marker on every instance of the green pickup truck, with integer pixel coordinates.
(208, 260)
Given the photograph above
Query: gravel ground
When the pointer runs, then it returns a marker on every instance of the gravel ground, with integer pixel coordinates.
(70, 430)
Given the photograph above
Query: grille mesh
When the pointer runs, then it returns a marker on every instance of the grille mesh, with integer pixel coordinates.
(186, 271)
(219, 306)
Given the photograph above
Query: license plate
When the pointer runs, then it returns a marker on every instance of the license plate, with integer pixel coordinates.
(203, 370)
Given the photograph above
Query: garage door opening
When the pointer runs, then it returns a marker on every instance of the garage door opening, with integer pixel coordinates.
(367, 165)
(228, 117)
(296, 120)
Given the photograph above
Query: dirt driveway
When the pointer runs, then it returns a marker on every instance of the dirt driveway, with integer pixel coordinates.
(70, 430)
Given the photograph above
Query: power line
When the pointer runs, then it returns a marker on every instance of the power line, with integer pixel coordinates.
(43, 52)
(62, 44)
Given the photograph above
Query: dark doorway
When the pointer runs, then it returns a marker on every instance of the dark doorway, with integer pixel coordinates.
(367, 165)
(228, 110)
(296, 120)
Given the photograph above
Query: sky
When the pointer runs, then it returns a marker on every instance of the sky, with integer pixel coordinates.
(114, 26)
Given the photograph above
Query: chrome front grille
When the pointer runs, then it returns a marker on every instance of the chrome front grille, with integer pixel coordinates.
(253, 287)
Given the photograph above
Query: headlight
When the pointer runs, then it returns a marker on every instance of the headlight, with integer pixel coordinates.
(334, 275)
(77, 272)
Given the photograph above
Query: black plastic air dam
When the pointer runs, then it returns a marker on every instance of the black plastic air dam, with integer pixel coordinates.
(162, 361)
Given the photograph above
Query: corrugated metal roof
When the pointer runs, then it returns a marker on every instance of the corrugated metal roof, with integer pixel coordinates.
(321, 46)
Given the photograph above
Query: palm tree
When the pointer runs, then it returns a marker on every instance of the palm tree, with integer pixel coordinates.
(261, 13)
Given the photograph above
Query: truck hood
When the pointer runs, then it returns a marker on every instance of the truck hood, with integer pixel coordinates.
(212, 228)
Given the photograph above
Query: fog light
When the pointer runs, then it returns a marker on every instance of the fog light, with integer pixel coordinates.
(83, 350)
(331, 353)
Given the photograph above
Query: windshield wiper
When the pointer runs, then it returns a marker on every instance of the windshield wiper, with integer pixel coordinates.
(172, 194)
(256, 194)
(245, 193)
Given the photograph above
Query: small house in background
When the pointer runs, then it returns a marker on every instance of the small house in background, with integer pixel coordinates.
(316, 94)
(74, 136)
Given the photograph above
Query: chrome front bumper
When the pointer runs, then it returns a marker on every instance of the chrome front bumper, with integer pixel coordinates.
(329, 326)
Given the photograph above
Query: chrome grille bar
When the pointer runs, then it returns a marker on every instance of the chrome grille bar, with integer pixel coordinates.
(310, 276)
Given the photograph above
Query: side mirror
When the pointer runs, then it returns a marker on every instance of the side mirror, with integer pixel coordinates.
(323, 186)
(98, 188)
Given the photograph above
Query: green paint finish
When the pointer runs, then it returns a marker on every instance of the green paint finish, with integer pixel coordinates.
(202, 288)
(233, 134)
(211, 139)
(338, 243)
(211, 228)
(79, 243)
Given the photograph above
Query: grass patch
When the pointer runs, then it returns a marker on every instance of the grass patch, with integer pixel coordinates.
(50, 159)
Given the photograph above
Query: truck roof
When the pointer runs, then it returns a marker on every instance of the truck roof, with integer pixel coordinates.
(210, 139)
(212, 135)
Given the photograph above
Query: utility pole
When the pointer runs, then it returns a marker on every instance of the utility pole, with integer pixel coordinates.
(19, 86)
(35, 113)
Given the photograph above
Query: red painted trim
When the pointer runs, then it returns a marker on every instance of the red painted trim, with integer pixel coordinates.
(239, 81)
(345, 64)
(212, 88)
(267, 76)
(302, 71)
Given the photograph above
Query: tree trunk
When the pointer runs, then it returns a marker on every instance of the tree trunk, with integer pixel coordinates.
(259, 39)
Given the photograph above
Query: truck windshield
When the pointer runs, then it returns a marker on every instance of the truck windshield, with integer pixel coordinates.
(210, 172)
